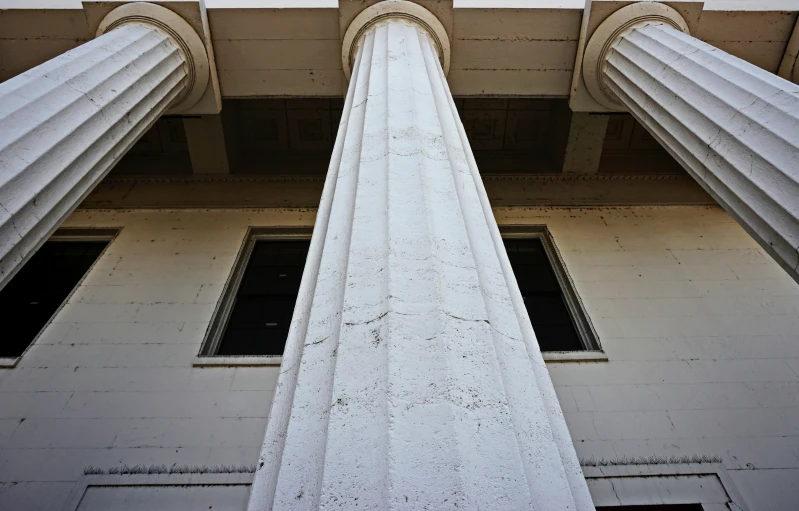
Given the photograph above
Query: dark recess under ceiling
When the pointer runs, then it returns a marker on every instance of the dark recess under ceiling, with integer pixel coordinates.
(295, 137)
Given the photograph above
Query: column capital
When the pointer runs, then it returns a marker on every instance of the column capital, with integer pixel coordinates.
(398, 9)
(181, 33)
(610, 32)
(604, 23)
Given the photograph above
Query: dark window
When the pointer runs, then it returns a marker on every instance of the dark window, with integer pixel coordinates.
(265, 282)
(558, 320)
(36, 292)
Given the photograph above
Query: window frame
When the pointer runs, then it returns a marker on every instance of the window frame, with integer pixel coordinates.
(88, 481)
(224, 307)
(574, 305)
(680, 475)
(68, 234)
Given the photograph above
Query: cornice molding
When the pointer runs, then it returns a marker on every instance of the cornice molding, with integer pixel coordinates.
(320, 179)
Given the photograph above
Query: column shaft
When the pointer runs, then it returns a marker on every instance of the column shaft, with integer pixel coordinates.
(411, 378)
(68, 121)
(733, 126)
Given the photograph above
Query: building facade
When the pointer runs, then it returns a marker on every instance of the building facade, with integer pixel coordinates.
(260, 254)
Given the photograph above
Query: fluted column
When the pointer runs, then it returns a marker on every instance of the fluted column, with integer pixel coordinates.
(67, 122)
(733, 126)
(411, 378)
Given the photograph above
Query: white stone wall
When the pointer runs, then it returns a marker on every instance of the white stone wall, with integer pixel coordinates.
(111, 381)
(701, 329)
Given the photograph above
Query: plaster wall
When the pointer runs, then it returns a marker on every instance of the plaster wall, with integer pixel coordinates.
(700, 327)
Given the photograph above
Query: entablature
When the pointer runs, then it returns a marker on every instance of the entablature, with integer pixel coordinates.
(293, 48)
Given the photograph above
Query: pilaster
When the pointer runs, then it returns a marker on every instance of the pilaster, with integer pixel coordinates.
(585, 142)
(733, 126)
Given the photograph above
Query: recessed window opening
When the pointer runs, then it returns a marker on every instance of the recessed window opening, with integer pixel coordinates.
(558, 319)
(254, 316)
(33, 296)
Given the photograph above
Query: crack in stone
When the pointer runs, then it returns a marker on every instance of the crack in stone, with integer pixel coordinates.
(613, 487)
(368, 321)
(320, 341)
(466, 319)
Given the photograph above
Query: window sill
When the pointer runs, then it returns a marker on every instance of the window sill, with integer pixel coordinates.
(9, 363)
(575, 356)
(237, 361)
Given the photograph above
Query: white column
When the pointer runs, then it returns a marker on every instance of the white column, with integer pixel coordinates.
(67, 122)
(411, 378)
(733, 126)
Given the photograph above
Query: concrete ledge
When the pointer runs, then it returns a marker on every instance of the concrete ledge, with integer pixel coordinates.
(9, 363)
(575, 356)
(240, 361)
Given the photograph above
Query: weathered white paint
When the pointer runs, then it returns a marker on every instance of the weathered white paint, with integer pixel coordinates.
(411, 358)
(733, 126)
(67, 122)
